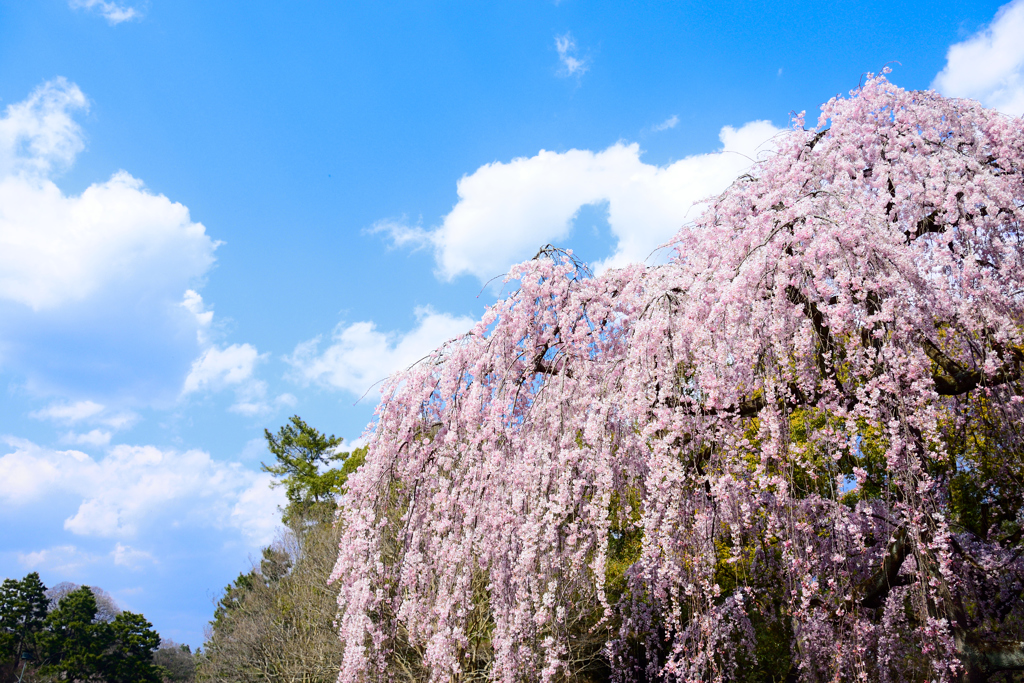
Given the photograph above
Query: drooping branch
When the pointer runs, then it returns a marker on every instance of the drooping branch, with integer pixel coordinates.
(826, 344)
(888, 577)
(990, 656)
(954, 379)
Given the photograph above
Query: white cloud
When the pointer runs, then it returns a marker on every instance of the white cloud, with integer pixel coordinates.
(61, 559)
(571, 64)
(89, 283)
(251, 400)
(69, 412)
(111, 11)
(506, 211)
(401, 233)
(231, 367)
(218, 368)
(127, 556)
(193, 303)
(361, 355)
(56, 249)
(39, 136)
(358, 442)
(989, 66)
(137, 487)
(234, 367)
(670, 122)
(256, 511)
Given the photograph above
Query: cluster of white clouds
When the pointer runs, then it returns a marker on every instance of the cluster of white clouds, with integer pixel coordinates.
(989, 66)
(507, 210)
(96, 280)
(111, 11)
(359, 355)
(103, 271)
(134, 488)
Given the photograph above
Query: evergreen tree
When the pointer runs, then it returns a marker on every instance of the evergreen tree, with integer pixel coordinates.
(130, 657)
(74, 643)
(302, 452)
(23, 606)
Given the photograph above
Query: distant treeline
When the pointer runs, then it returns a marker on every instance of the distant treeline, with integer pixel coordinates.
(77, 633)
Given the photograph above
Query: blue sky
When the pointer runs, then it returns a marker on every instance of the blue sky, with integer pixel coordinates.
(217, 215)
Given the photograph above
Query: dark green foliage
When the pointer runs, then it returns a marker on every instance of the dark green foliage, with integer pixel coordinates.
(75, 641)
(23, 606)
(130, 658)
(302, 452)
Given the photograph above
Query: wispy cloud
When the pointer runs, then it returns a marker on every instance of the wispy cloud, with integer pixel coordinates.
(94, 437)
(670, 122)
(989, 66)
(88, 413)
(572, 65)
(111, 11)
(69, 412)
(127, 556)
(61, 559)
(401, 233)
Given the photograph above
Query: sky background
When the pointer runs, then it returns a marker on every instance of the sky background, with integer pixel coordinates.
(217, 215)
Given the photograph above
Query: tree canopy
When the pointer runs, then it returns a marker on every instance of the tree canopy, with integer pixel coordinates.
(791, 453)
(305, 466)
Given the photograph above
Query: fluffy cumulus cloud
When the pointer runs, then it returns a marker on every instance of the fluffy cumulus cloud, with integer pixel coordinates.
(111, 11)
(133, 488)
(90, 284)
(507, 210)
(989, 66)
(359, 355)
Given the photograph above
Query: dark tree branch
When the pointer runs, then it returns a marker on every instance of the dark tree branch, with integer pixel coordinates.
(826, 344)
(959, 380)
(877, 588)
